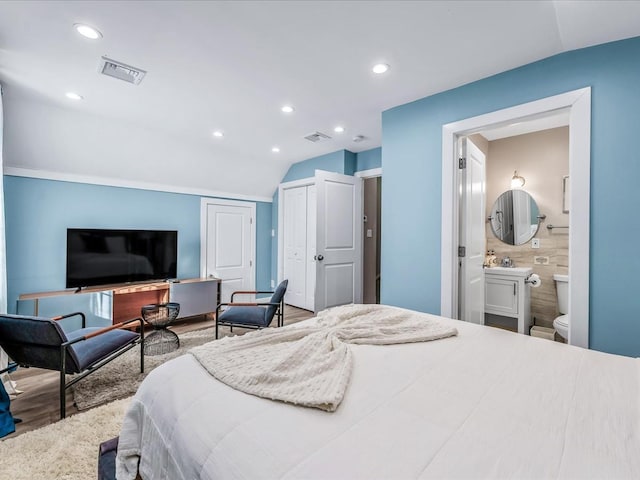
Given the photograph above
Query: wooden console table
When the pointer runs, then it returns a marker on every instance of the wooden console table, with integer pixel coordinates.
(114, 303)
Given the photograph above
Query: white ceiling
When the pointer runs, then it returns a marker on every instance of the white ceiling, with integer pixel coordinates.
(232, 65)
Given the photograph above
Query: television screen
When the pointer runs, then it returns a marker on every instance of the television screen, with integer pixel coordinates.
(101, 257)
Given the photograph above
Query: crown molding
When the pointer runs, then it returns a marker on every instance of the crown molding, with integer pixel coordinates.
(118, 182)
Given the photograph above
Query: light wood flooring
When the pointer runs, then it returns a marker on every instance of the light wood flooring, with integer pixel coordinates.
(38, 405)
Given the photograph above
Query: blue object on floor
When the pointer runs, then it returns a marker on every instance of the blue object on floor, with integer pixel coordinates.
(107, 459)
(7, 425)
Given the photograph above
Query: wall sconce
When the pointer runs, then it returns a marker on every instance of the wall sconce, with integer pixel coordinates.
(517, 181)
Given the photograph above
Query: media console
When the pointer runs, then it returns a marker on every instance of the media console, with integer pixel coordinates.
(109, 304)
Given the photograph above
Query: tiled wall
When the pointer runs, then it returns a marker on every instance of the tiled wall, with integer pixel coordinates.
(544, 305)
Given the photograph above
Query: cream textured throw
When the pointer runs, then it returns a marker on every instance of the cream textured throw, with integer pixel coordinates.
(310, 364)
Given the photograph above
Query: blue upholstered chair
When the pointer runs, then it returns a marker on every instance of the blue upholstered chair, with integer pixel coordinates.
(253, 315)
(40, 342)
(7, 422)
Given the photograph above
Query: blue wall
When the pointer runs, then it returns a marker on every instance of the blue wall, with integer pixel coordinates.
(411, 203)
(369, 159)
(38, 213)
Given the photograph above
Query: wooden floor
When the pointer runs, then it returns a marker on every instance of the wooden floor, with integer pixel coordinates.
(39, 405)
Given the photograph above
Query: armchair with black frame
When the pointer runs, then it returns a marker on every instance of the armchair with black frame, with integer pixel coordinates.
(42, 343)
(255, 315)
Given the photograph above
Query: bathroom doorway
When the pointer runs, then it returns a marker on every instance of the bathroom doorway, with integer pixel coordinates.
(523, 224)
(577, 104)
(372, 196)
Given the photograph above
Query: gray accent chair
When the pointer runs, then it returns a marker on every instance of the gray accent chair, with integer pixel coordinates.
(41, 343)
(254, 315)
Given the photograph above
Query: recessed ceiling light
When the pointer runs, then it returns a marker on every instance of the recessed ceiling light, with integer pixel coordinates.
(275, 149)
(73, 96)
(87, 31)
(287, 109)
(338, 129)
(380, 68)
(218, 134)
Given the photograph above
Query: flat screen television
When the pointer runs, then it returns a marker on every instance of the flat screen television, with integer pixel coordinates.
(101, 257)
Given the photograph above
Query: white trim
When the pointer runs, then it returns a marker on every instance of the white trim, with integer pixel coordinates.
(371, 173)
(204, 203)
(296, 183)
(284, 186)
(119, 182)
(579, 218)
(579, 104)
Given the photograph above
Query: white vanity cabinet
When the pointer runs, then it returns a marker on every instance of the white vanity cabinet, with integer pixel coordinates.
(507, 295)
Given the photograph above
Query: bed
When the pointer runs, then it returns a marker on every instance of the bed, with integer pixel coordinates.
(486, 403)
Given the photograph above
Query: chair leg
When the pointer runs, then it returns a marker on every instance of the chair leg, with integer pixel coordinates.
(281, 314)
(63, 400)
(217, 314)
(141, 346)
(142, 355)
(63, 368)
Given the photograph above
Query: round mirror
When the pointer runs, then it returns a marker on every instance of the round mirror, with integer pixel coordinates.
(515, 217)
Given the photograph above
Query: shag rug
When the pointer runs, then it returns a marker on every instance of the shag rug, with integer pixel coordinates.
(65, 450)
(121, 377)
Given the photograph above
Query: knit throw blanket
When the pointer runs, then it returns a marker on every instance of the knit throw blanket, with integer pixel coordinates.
(310, 364)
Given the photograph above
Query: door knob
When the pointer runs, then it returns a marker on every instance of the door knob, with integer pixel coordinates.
(318, 257)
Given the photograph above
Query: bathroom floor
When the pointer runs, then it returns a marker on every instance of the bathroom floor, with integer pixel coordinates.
(506, 323)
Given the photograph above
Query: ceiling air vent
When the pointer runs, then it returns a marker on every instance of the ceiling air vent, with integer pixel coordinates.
(121, 71)
(317, 137)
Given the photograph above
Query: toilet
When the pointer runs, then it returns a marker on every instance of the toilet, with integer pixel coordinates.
(561, 324)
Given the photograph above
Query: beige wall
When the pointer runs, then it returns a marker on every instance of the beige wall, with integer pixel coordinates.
(542, 158)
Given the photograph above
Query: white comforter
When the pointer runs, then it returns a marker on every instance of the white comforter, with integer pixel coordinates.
(484, 404)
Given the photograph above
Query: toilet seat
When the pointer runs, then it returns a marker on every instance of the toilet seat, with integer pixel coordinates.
(561, 324)
(562, 320)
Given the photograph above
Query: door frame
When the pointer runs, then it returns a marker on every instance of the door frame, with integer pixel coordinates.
(204, 203)
(578, 103)
(371, 173)
(364, 174)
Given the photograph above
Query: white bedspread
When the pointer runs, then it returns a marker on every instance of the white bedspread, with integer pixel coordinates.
(310, 364)
(484, 404)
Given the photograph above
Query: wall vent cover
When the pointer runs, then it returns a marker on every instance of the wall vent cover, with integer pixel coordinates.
(317, 137)
(121, 71)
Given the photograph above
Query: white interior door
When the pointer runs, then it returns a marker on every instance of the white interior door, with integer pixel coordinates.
(338, 240)
(295, 245)
(229, 244)
(472, 234)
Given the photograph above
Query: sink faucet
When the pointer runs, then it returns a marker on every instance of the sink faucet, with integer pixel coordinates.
(507, 262)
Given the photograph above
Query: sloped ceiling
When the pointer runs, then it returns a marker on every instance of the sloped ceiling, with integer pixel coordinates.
(232, 65)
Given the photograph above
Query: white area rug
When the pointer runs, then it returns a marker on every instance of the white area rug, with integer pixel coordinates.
(121, 377)
(65, 450)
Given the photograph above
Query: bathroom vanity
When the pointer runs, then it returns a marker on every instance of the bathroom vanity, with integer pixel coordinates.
(507, 295)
